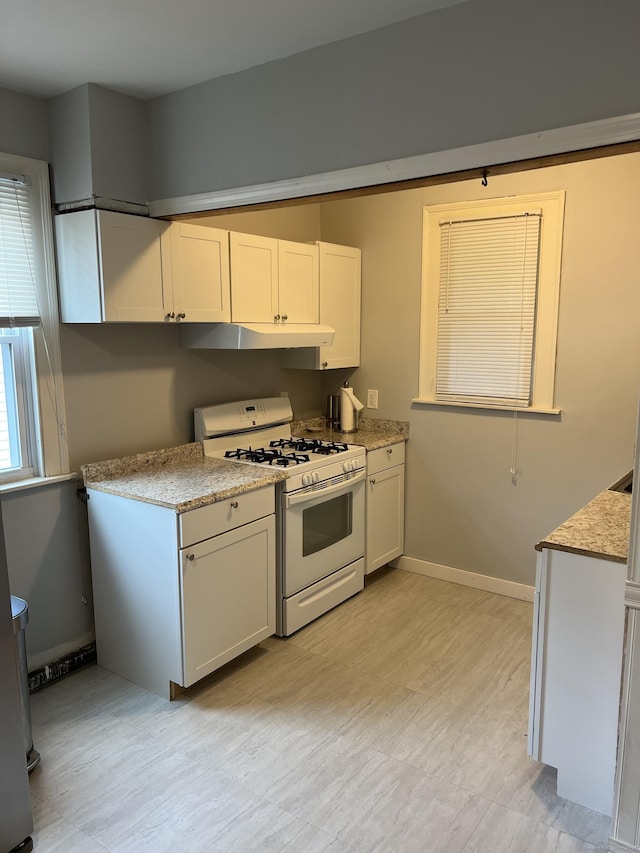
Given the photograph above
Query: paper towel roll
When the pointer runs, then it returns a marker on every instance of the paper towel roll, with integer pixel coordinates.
(349, 405)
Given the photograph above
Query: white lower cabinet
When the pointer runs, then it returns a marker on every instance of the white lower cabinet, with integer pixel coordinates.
(576, 661)
(384, 506)
(228, 596)
(177, 596)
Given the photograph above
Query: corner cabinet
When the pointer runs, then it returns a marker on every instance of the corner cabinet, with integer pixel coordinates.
(115, 267)
(176, 596)
(273, 281)
(340, 299)
(384, 506)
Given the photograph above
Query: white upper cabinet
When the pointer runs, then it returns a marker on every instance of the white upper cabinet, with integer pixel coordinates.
(200, 273)
(254, 278)
(110, 267)
(114, 267)
(273, 281)
(340, 294)
(298, 282)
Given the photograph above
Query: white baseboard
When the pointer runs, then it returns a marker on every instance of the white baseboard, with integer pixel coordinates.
(616, 846)
(447, 573)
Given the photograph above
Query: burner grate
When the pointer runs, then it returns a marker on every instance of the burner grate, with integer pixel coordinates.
(267, 456)
(311, 445)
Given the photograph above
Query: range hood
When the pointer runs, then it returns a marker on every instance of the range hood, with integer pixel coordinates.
(256, 335)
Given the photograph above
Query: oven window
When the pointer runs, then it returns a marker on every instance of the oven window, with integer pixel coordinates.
(327, 523)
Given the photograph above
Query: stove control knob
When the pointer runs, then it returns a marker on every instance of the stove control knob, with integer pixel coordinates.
(306, 479)
(349, 465)
(316, 477)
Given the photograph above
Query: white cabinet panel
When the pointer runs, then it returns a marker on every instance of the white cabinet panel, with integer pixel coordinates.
(228, 596)
(298, 282)
(273, 280)
(200, 273)
(575, 673)
(254, 278)
(111, 267)
(340, 299)
(212, 519)
(385, 506)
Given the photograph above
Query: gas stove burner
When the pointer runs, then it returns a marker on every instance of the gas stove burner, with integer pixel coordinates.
(267, 456)
(311, 445)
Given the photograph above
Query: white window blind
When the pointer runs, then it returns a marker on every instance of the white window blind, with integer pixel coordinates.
(487, 309)
(18, 295)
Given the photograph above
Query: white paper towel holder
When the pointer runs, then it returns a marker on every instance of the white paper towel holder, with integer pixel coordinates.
(350, 408)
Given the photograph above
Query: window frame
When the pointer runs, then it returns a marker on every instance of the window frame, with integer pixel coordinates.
(551, 205)
(47, 419)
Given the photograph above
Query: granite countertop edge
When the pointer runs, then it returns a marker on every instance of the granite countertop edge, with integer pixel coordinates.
(600, 529)
(372, 433)
(179, 478)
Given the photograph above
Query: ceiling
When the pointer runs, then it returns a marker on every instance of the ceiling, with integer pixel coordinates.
(148, 48)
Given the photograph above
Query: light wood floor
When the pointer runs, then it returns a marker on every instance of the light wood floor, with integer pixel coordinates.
(397, 722)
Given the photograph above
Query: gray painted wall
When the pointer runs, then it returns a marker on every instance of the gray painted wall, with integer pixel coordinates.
(23, 129)
(462, 509)
(70, 128)
(48, 561)
(99, 146)
(474, 72)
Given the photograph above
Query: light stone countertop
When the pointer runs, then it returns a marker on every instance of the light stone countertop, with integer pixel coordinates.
(179, 478)
(372, 433)
(599, 529)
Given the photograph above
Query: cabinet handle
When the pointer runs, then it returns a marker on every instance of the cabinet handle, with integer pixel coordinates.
(276, 318)
(169, 316)
(284, 318)
(234, 504)
(372, 481)
(181, 315)
(191, 557)
(389, 451)
(325, 364)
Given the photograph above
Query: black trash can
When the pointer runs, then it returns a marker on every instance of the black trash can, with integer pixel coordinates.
(20, 615)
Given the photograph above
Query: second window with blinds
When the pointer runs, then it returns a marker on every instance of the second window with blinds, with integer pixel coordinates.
(490, 291)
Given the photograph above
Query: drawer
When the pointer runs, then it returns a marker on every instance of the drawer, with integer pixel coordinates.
(385, 457)
(207, 521)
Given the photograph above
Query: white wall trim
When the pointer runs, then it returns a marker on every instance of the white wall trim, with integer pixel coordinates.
(577, 137)
(464, 578)
(620, 847)
(43, 658)
(632, 595)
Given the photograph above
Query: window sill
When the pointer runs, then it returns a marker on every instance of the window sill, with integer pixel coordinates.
(34, 483)
(535, 410)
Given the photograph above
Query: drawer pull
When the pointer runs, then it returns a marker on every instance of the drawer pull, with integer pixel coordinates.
(372, 481)
(191, 557)
(234, 504)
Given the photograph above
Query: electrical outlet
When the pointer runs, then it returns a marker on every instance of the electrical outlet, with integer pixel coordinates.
(372, 399)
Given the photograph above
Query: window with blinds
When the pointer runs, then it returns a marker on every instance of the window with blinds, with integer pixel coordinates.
(486, 309)
(490, 295)
(18, 294)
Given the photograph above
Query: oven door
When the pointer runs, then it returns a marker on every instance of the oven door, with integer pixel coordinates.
(323, 530)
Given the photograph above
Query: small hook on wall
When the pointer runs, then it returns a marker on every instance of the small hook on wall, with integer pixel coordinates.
(485, 173)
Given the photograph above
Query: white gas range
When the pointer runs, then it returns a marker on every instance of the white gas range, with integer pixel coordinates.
(320, 506)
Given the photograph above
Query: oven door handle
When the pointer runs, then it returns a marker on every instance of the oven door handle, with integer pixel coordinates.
(307, 497)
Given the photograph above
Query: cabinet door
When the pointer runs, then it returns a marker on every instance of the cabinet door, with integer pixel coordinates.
(254, 278)
(340, 276)
(200, 273)
(298, 282)
(136, 269)
(385, 517)
(228, 596)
